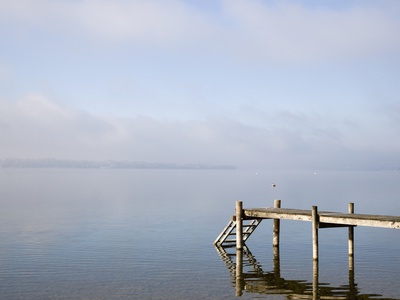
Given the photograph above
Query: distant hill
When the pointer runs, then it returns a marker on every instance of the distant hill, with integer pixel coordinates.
(109, 164)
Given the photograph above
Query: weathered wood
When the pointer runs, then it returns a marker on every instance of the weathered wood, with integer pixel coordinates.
(319, 219)
(362, 220)
(315, 225)
(278, 213)
(276, 228)
(230, 230)
(225, 233)
(351, 232)
(239, 225)
(383, 221)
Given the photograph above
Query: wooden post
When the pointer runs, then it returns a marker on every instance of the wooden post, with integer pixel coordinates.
(276, 229)
(239, 225)
(352, 283)
(277, 264)
(351, 232)
(315, 280)
(315, 221)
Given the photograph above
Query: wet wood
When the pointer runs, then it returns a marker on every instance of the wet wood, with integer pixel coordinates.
(319, 219)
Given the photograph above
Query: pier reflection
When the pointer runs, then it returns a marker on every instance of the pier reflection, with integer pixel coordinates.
(248, 276)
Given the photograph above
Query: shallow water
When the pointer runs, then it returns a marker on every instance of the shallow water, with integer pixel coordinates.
(148, 234)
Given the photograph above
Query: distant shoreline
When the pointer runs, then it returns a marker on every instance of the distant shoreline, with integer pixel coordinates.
(109, 164)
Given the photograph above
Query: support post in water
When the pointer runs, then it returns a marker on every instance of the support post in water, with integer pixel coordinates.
(351, 232)
(315, 284)
(239, 273)
(315, 224)
(276, 229)
(239, 225)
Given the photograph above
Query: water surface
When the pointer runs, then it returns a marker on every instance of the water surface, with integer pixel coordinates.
(148, 234)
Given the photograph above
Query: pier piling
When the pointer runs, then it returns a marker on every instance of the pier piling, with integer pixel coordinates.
(351, 232)
(315, 221)
(239, 225)
(276, 228)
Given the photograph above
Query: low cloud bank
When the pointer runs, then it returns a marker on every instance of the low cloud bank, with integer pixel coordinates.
(37, 127)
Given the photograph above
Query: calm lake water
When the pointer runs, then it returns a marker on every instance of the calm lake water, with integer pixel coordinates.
(148, 234)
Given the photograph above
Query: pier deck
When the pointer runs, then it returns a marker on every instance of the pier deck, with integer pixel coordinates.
(319, 219)
(345, 219)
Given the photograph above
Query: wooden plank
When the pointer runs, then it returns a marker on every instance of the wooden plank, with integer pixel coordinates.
(278, 213)
(325, 217)
(362, 220)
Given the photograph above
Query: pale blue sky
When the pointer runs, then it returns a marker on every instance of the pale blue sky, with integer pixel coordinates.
(282, 84)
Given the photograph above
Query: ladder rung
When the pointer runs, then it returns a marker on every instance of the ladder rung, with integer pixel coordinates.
(234, 233)
(230, 241)
(229, 231)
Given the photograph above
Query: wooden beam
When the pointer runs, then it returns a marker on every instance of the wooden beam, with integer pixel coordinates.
(279, 213)
(239, 225)
(325, 217)
(361, 220)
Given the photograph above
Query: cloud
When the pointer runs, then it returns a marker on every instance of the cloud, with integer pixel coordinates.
(136, 22)
(182, 60)
(250, 30)
(295, 32)
(38, 127)
(155, 22)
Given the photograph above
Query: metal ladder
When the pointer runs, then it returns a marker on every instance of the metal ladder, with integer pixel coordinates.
(249, 225)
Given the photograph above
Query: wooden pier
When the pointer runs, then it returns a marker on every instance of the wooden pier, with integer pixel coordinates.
(241, 230)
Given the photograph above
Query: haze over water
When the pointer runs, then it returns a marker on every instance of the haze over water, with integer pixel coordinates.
(148, 234)
(256, 84)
